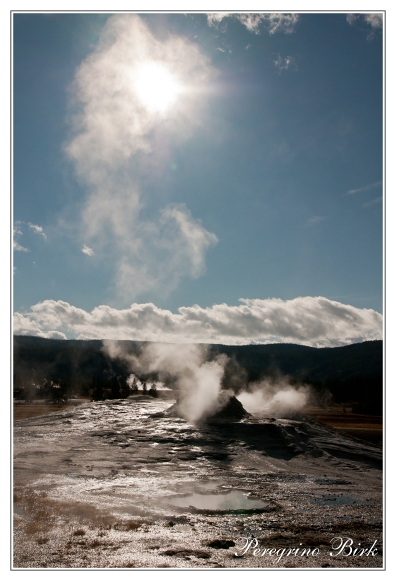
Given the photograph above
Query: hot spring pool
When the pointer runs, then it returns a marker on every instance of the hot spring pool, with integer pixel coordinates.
(233, 500)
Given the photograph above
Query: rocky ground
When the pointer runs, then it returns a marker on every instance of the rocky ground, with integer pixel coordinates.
(95, 487)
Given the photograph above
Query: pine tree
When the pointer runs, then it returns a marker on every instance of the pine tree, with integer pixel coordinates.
(125, 390)
(115, 388)
(97, 389)
(153, 390)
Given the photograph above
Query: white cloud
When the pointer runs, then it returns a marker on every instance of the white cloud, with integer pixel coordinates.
(284, 63)
(373, 20)
(18, 232)
(20, 248)
(26, 326)
(314, 321)
(273, 22)
(38, 230)
(374, 201)
(116, 137)
(87, 250)
(251, 21)
(316, 219)
(351, 18)
(217, 17)
(364, 188)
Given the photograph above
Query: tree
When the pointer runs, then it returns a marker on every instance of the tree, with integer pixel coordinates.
(124, 390)
(153, 391)
(115, 388)
(97, 387)
(134, 385)
(144, 386)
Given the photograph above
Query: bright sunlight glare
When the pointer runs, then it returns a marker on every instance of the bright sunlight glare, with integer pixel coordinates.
(156, 87)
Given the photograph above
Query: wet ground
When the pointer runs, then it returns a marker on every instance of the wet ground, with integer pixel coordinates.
(102, 485)
(365, 427)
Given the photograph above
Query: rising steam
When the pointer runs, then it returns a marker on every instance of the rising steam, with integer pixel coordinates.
(120, 143)
(186, 366)
(200, 380)
(277, 398)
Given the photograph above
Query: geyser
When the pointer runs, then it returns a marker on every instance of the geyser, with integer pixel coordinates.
(208, 383)
(226, 407)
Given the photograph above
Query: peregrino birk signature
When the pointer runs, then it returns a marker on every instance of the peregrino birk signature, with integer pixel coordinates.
(340, 546)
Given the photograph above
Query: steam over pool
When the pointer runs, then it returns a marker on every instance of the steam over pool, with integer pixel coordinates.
(234, 500)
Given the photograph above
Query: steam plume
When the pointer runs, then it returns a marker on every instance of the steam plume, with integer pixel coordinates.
(118, 144)
(199, 380)
(277, 398)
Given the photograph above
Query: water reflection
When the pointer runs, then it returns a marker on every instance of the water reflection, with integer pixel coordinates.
(233, 500)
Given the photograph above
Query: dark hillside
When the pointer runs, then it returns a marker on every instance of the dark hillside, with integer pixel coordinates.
(350, 373)
(300, 362)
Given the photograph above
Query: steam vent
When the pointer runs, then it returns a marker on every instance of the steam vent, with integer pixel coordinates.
(228, 407)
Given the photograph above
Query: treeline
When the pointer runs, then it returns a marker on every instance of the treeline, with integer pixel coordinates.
(364, 394)
(116, 388)
(98, 389)
(51, 369)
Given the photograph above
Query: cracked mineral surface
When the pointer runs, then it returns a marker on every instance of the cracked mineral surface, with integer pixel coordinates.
(99, 486)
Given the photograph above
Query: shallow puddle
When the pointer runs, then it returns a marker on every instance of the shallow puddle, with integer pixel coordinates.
(233, 500)
(20, 512)
(208, 485)
(340, 500)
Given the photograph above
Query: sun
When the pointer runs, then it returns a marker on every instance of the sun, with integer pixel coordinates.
(156, 87)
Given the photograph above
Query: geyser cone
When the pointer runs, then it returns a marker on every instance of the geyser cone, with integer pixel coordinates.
(226, 407)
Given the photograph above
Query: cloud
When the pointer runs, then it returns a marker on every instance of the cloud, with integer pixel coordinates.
(314, 321)
(373, 20)
(87, 250)
(364, 188)
(316, 219)
(20, 248)
(352, 18)
(374, 201)
(275, 22)
(217, 17)
(119, 140)
(18, 232)
(38, 230)
(284, 63)
(26, 326)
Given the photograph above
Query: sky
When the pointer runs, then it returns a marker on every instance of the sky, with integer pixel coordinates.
(211, 178)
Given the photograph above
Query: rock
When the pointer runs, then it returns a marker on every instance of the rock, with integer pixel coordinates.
(227, 407)
(220, 544)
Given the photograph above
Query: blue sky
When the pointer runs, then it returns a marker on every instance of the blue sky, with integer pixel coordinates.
(182, 162)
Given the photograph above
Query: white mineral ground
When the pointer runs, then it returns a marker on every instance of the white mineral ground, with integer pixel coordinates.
(92, 483)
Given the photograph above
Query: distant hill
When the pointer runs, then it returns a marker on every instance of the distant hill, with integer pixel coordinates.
(36, 358)
(300, 362)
